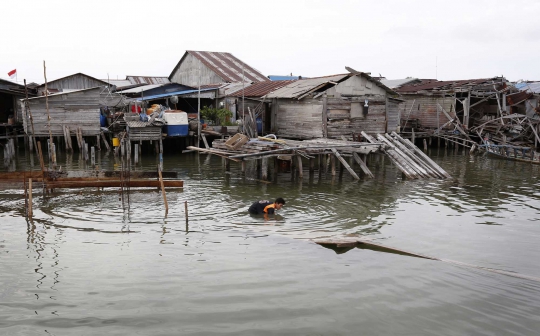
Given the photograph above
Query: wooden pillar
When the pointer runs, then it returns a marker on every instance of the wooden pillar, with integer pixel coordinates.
(311, 167)
(243, 167)
(276, 169)
(228, 165)
(136, 158)
(300, 168)
(425, 145)
(264, 168)
(333, 164)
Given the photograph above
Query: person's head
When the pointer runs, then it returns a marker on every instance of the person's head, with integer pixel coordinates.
(280, 202)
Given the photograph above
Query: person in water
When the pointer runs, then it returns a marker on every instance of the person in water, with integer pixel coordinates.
(266, 207)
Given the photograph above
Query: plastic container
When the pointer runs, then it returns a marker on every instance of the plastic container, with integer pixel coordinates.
(115, 142)
(102, 120)
(176, 123)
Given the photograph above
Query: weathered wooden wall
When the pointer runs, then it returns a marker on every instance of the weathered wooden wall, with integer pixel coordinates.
(299, 119)
(188, 73)
(425, 109)
(74, 109)
(75, 82)
(356, 86)
(346, 117)
(392, 115)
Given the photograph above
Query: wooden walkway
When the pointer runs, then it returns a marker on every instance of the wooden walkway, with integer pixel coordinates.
(408, 158)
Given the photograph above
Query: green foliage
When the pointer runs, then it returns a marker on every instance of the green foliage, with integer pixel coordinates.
(217, 116)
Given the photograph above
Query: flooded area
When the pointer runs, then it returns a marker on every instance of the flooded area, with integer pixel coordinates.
(87, 265)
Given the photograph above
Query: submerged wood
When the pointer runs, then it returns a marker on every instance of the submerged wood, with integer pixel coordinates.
(38, 175)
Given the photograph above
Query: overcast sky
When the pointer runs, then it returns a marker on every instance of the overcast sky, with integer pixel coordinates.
(397, 39)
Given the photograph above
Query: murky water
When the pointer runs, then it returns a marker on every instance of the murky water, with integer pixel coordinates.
(87, 266)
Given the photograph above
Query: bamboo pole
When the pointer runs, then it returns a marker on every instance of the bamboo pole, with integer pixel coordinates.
(48, 114)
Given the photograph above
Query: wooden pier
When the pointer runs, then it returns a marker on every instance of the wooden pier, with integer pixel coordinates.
(408, 158)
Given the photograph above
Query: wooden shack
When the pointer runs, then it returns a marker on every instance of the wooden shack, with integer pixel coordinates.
(333, 106)
(207, 67)
(75, 109)
(431, 104)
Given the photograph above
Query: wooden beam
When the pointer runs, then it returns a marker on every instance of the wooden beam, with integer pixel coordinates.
(345, 164)
(114, 184)
(362, 165)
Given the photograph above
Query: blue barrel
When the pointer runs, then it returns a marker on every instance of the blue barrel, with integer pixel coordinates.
(102, 120)
(259, 125)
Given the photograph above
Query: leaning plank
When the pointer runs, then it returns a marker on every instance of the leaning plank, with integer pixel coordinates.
(432, 163)
(394, 158)
(422, 172)
(362, 165)
(410, 154)
(345, 164)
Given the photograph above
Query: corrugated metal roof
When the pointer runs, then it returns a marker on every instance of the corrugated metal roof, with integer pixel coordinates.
(77, 74)
(170, 94)
(118, 82)
(301, 86)
(227, 66)
(529, 87)
(148, 79)
(432, 85)
(261, 89)
(282, 78)
(395, 83)
(141, 88)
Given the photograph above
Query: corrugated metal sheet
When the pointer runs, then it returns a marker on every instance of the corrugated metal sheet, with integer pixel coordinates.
(141, 88)
(282, 78)
(170, 94)
(302, 86)
(529, 87)
(516, 98)
(436, 85)
(148, 79)
(395, 83)
(261, 89)
(224, 65)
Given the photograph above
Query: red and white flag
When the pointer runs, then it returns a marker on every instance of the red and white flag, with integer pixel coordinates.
(12, 73)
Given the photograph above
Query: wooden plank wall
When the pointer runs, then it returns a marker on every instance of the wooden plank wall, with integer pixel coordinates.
(425, 109)
(392, 116)
(341, 121)
(299, 119)
(75, 109)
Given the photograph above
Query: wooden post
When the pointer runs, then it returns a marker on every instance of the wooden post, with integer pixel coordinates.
(85, 151)
(243, 167)
(412, 135)
(105, 141)
(300, 168)
(425, 145)
(93, 156)
(227, 165)
(30, 212)
(98, 143)
(163, 192)
(186, 208)
(276, 169)
(311, 167)
(264, 168)
(333, 164)
(136, 159)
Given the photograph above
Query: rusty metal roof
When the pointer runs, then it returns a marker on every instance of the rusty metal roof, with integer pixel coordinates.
(226, 66)
(148, 79)
(261, 89)
(437, 85)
